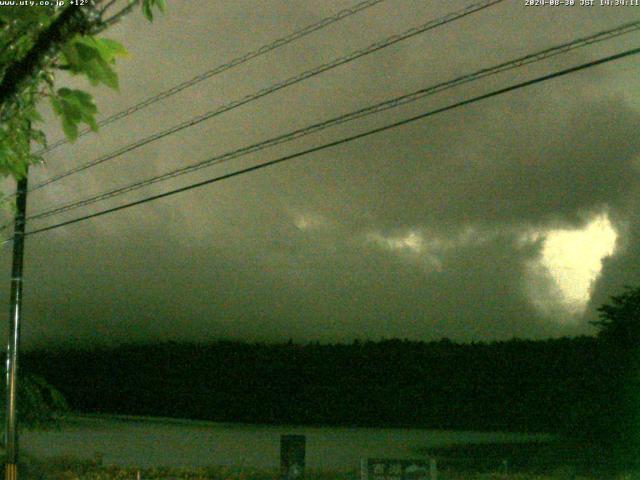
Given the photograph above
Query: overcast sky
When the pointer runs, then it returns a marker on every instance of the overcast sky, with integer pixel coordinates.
(514, 216)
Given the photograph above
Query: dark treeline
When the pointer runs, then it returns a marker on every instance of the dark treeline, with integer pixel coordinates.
(548, 386)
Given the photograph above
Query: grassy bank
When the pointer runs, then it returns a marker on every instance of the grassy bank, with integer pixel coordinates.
(65, 468)
(71, 469)
(555, 459)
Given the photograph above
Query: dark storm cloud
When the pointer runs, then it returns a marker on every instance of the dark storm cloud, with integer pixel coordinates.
(421, 232)
(313, 288)
(516, 161)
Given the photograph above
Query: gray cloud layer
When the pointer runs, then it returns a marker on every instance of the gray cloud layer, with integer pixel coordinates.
(416, 233)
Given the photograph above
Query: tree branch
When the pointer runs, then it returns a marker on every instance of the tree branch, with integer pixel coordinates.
(118, 16)
(71, 21)
(107, 6)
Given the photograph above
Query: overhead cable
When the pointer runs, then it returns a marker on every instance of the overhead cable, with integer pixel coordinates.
(274, 88)
(372, 109)
(325, 22)
(341, 141)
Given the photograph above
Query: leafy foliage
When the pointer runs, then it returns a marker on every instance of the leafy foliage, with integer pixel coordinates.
(620, 320)
(19, 28)
(615, 415)
(148, 6)
(94, 58)
(83, 54)
(39, 403)
(74, 106)
(15, 139)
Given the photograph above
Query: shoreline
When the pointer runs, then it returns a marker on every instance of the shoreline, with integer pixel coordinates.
(211, 423)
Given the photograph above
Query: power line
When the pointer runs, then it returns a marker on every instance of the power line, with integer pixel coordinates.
(276, 87)
(325, 22)
(341, 141)
(376, 108)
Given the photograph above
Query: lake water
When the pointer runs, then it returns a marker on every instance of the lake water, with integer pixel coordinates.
(149, 442)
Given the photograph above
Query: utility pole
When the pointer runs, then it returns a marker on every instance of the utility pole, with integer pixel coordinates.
(15, 314)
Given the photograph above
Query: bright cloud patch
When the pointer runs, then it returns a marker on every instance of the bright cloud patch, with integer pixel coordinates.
(409, 245)
(411, 242)
(420, 245)
(309, 221)
(573, 260)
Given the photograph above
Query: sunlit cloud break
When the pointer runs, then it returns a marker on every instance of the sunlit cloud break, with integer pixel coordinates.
(572, 261)
(410, 242)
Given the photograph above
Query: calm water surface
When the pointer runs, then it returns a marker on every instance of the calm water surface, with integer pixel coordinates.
(149, 442)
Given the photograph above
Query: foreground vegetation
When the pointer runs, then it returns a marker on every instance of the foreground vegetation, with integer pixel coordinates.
(561, 458)
(554, 460)
(69, 469)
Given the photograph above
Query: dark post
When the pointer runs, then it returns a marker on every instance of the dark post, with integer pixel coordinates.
(11, 420)
(292, 452)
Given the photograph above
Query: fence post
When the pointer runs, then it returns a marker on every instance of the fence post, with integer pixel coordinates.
(433, 469)
(364, 469)
(292, 453)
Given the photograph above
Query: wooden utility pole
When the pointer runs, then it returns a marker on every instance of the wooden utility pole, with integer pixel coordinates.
(15, 316)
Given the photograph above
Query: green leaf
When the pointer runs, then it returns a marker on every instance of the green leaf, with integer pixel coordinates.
(105, 48)
(39, 136)
(21, 14)
(148, 6)
(70, 129)
(80, 105)
(19, 169)
(70, 56)
(93, 58)
(95, 67)
(77, 97)
(109, 49)
(5, 154)
(74, 107)
(146, 10)
(33, 115)
(56, 105)
(107, 75)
